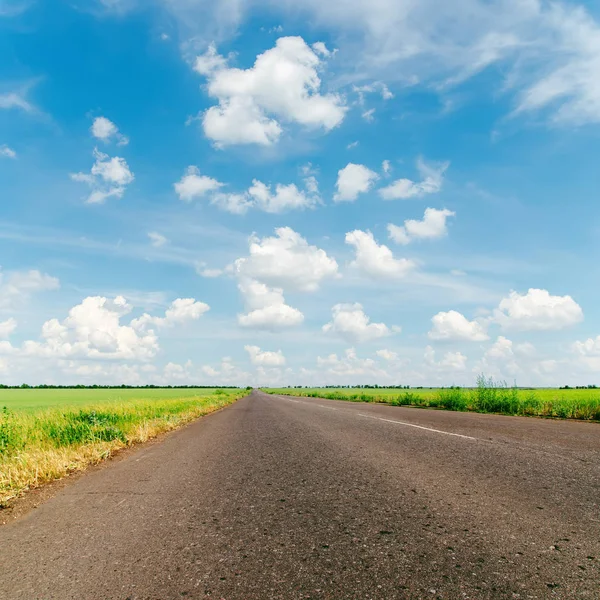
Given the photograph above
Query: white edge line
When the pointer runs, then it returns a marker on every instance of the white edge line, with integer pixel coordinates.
(467, 437)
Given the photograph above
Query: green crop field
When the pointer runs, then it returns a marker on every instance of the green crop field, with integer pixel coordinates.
(36, 399)
(46, 434)
(488, 396)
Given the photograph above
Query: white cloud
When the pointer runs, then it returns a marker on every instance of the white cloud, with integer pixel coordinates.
(179, 311)
(431, 227)
(499, 360)
(6, 152)
(10, 100)
(282, 86)
(431, 183)
(17, 286)
(108, 178)
(353, 180)
(286, 260)
(321, 48)
(368, 115)
(569, 90)
(351, 323)
(157, 239)
(589, 347)
(265, 358)
(352, 145)
(236, 204)
(451, 361)
(386, 167)
(387, 355)
(93, 330)
(105, 130)
(350, 365)
(259, 195)
(537, 310)
(266, 307)
(453, 326)
(286, 197)
(193, 185)
(7, 328)
(376, 260)
(210, 273)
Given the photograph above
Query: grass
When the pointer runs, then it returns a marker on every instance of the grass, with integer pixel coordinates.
(39, 444)
(488, 397)
(35, 399)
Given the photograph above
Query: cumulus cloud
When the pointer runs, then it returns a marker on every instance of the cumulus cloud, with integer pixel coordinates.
(7, 328)
(451, 361)
(286, 197)
(105, 130)
(93, 330)
(17, 286)
(109, 177)
(351, 323)
(259, 196)
(6, 152)
(431, 183)
(387, 355)
(353, 180)
(376, 260)
(282, 87)
(432, 226)
(453, 326)
(350, 367)
(537, 310)
(179, 311)
(266, 307)
(193, 185)
(265, 358)
(286, 260)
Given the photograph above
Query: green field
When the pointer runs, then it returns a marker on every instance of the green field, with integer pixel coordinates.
(488, 397)
(37, 399)
(47, 434)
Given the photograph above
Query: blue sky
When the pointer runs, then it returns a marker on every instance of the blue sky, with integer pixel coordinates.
(256, 192)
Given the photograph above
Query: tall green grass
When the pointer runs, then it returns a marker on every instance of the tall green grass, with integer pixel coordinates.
(489, 396)
(36, 447)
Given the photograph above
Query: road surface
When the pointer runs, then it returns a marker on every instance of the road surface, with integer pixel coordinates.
(289, 498)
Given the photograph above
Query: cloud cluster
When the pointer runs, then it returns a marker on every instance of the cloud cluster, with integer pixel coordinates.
(432, 226)
(109, 177)
(453, 326)
(537, 310)
(282, 87)
(259, 195)
(286, 260)
(431, 183)
(353, 180)
(105, 130)
(266, 307)
(17, 286)
(351, 323)
(265, 358)
(375, 260)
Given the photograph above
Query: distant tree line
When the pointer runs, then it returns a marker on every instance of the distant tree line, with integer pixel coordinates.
(25, 386)
(579, 387)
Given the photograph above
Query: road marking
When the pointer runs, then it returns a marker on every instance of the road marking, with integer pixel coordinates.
(460, 435)
(467, 437)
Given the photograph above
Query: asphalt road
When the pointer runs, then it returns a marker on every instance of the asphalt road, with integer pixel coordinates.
(277, 498)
